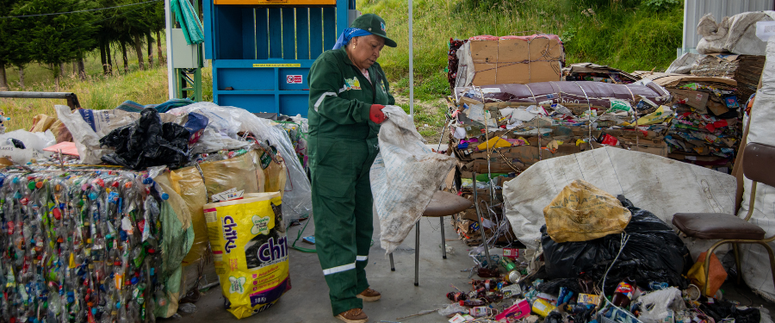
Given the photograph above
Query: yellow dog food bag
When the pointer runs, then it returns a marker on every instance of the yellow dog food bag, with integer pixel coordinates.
(250, 250)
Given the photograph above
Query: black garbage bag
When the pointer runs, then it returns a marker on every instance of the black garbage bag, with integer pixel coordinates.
(722, 309)
(654, 253)
(147, 142)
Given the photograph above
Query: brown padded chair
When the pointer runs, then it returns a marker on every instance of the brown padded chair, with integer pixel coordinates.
(757, 160)
(442, 204)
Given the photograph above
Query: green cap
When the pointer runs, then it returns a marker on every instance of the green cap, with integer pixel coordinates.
(375, 25)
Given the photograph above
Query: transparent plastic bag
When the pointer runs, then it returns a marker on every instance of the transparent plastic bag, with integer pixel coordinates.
(452, 309)
(297, 195)
(221, 131)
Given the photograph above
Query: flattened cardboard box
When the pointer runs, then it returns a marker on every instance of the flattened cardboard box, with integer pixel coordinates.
(516, 73)
(516, 61)
(694, 99)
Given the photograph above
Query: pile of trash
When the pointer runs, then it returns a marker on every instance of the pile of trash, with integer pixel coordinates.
(707, 126)
(634, 270)
(499, 131)
(116, 213)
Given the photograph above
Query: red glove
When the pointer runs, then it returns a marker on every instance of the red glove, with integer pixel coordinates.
(375, 113)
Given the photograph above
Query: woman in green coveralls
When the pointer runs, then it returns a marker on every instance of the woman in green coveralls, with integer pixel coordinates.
(347, 91)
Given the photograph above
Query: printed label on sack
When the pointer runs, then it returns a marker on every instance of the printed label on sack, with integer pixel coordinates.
(228, 195)
(260, 225)
(236, 284)
(229, 233)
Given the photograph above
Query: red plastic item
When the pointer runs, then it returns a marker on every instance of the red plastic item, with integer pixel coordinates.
(515, 312)
(610, 140)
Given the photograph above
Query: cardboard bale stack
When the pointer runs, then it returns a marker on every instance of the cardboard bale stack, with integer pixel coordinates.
(744, 69)
(707, 126)
(527, 124)
(486, 60)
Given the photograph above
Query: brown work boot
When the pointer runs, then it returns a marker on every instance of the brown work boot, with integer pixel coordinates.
(369, 295)
(354, 315)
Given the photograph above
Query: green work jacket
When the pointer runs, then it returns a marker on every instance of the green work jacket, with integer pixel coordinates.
(340, 97)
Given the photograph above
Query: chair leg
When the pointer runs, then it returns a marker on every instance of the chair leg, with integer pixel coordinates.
(736, 248)
(708, 253)
(772, 259)
(443, 240)
(417, 254)
(392, 266)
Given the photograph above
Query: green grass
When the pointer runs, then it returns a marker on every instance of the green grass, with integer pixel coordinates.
(619, 33)
(626, 34)
(98, 91)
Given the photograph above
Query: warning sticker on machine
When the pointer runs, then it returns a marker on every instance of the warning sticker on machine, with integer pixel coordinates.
(276, 65)
(293, 79)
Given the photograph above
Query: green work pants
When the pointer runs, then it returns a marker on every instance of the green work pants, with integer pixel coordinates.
(342, 207)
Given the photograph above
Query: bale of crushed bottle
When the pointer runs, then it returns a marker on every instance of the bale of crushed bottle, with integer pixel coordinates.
(89, 246)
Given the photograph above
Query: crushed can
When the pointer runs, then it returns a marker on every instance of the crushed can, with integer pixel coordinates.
(542, 307)
(514, 276)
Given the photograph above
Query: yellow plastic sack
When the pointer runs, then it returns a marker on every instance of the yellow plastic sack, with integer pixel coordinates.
(717, 274)
(250, 251)
(188, 184)
(42, 122)
(276, 176)
(496, 142)
(582, 212)
(242, 173)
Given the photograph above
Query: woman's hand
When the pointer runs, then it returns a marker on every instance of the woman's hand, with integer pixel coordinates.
(375, 113)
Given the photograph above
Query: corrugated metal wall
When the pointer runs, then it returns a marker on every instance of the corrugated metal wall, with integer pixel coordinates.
(695, 9)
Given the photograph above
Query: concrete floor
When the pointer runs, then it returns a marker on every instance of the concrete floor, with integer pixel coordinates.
(307, 301)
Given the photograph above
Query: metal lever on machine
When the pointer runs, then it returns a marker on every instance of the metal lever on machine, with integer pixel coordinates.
(481, 227)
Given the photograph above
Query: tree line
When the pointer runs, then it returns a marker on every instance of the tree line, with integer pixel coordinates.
(56, 32)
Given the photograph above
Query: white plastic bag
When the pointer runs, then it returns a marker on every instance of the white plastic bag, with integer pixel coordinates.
(735, 34)
(221, 130)
(655, 305)
(226, 122)
(34, 142)
(404, 176)
(754, 258)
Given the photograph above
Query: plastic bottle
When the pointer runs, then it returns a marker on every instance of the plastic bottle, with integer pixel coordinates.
(472, 302)
(624, 292)
(508, 264)
(456, 296)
